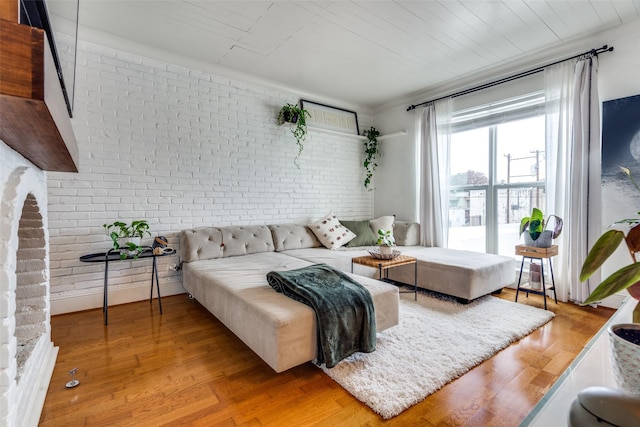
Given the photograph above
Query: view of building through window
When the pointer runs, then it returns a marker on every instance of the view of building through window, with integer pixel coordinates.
(497, 175)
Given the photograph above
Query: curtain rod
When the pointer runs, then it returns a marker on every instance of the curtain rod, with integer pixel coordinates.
(592, 52)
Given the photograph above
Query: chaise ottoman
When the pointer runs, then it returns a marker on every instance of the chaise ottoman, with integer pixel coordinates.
(463, 274)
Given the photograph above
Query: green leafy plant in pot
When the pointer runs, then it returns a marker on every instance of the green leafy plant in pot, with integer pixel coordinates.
(625, 337)
(386, 241)
(291, 113)
(127, 237)
(370, 151)
(534, 229)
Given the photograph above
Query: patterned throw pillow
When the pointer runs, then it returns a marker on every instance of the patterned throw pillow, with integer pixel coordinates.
(331, 233)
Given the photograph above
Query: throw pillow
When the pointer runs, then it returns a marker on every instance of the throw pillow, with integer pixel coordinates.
(384, 222)
(331, 233)
(363, 232)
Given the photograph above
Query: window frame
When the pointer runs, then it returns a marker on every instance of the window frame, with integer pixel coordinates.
(523, 107)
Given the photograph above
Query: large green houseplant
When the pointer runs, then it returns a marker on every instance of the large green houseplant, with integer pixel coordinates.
(624, 338)
(127, 237)
(292, 113)
(625, 278)
(535, 228)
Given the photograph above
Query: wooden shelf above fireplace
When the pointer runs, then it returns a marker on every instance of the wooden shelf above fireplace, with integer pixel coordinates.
(33, 116)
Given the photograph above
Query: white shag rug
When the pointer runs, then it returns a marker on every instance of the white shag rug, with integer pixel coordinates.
(436, 341)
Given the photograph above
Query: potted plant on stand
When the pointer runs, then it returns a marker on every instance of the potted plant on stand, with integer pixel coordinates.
(127, 237)
(386, 242)
(625, 337)
(291, 113)
(535, 226)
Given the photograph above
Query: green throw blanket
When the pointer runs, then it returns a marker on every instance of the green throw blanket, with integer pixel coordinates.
(344, 309)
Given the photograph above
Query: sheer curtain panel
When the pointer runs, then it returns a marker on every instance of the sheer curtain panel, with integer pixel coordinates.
(433, 133)
(573, 168)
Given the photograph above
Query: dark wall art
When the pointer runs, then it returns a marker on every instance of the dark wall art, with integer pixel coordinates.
(620, 147)
(620, 134)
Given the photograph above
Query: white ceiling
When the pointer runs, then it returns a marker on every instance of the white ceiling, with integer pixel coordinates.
(365, 53)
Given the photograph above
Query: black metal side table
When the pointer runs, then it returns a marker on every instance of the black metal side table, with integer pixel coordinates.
(114, 255)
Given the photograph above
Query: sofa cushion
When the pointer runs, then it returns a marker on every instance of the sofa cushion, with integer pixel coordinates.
(244, 240)
(406, 233)
(363, 232)
(200, 243)
(292, 236)
(384, 222)
(331, 233)
(339, 258)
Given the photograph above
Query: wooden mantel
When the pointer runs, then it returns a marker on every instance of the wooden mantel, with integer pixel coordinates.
(33, 115)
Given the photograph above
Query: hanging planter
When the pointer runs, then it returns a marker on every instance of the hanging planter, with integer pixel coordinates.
(371, 152)
(291, 113)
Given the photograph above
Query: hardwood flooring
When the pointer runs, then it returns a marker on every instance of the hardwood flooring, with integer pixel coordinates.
(185, 368)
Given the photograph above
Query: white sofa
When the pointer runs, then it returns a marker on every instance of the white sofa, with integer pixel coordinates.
(225, 269)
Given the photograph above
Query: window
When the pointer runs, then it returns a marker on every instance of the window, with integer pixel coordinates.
(497, 173)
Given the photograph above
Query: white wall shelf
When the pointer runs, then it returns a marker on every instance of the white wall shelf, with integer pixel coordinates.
(392, 135)
(352, 135)
(335, 132)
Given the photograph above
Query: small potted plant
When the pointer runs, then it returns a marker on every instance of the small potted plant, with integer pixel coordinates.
(370, 151)
(536, 233)
(386, 241)
(291, 113)
(127, 237)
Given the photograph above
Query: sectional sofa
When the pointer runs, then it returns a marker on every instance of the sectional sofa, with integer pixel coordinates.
(225, 269)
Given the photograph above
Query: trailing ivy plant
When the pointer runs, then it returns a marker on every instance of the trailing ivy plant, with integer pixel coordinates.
(291, 113)
(370, 151)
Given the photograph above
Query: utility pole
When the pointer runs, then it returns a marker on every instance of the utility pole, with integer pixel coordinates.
(537, 176)
(508, 156)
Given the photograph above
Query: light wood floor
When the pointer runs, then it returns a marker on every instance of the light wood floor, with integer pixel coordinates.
(186, 368)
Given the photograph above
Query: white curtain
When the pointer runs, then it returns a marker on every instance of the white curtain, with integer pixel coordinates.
(573, 169)
(433, 138)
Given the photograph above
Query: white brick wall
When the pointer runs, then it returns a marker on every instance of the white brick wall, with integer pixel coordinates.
(182, 149)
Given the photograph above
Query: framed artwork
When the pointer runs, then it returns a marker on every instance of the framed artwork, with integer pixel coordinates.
(620, 134)
(620, 147)
(331, 118)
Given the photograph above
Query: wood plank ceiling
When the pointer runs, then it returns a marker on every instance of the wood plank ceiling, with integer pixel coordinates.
(363, 52)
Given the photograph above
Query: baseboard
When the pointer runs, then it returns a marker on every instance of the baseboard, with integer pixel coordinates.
(90, 299)
(614, 301)
(33, 416)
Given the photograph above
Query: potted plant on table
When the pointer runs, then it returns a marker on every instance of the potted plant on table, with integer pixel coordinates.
(625, 337)
(127, 237)
(535, 227)
(291, 113)
(386, 242)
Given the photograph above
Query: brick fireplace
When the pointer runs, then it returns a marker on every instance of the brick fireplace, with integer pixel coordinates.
(27, 354)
